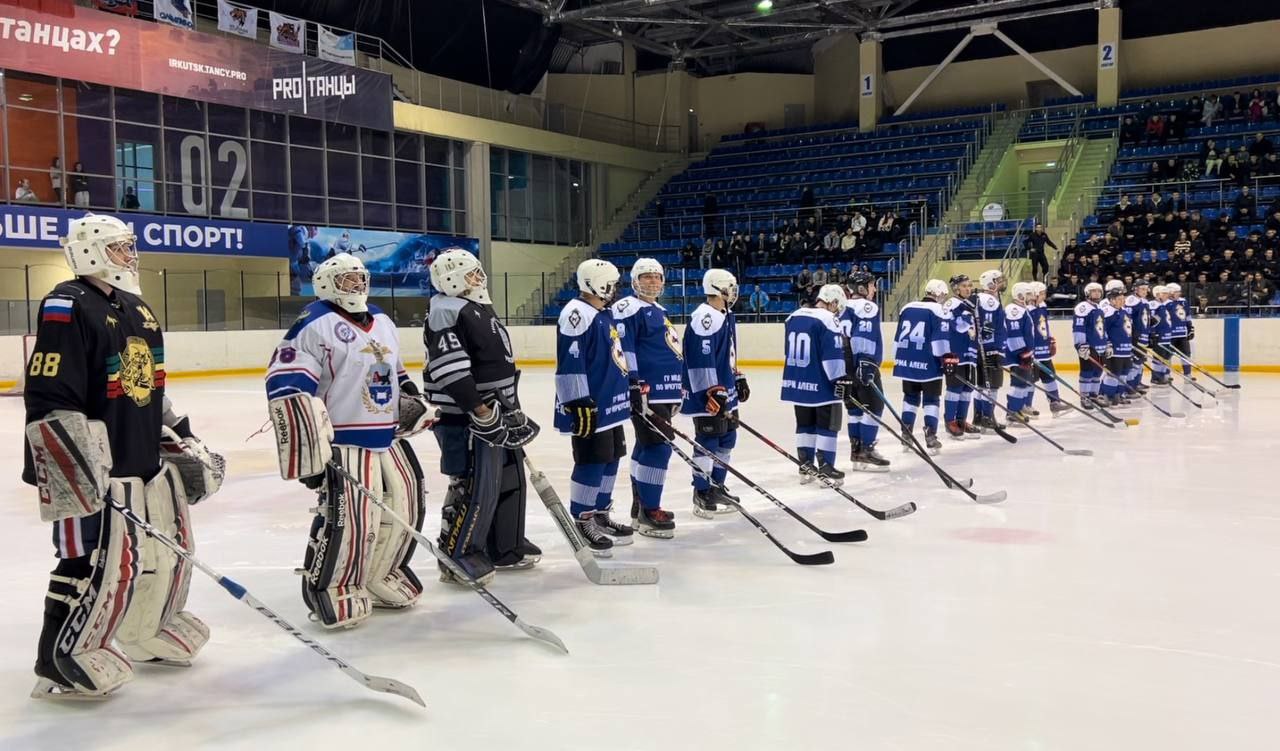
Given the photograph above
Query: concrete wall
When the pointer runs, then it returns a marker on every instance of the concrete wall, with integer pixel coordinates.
(835, 79)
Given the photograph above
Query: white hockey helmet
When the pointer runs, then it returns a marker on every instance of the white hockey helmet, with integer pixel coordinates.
(936, 288)
(1173, 288)
(1159, 289)
(457, 273)
(599, 278)
(647, 288)
(832, 294)
(989, 279)
(720, 283)
(1115, 284)
(1038, 288)
(1020, 290)
(1092, 287)
(103, 247)
(343, 281)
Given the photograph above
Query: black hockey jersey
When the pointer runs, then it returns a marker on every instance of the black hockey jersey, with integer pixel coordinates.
(469, 357)
(102, 355)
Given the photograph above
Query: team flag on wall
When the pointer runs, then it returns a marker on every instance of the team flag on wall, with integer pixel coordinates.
(180, 13)
(288, 33)
(334, 46)
(123, 7)
(237, 19)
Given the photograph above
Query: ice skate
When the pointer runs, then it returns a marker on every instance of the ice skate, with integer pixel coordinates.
(621, 533)
(596, 538)
(657, 522)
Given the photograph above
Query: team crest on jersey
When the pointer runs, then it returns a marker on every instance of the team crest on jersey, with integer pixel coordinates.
(1097, 325)
(615, 349)
(706, 322)
(1128, 326)
(1043, 327)
(673, 340)
(379, 379)
(501, 332)
(136, 376)
(149, 321)
(344, 332)
(1180, 312)
(623, 305)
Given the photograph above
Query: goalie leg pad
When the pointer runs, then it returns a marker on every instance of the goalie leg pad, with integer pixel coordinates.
(336, 563)
(72, 460)
(468, 509)
(155, 627)
(507, 531)
(88, 597)
(303, 433)
(391, 582)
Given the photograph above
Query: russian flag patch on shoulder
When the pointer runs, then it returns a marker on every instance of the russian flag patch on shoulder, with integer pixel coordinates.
(57, 310)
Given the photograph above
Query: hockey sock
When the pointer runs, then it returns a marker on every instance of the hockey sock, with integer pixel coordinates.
(806, 439)
(584, 487)
(1052, 388)
(952, 411)
(981, 405)
(723, 451)
(962, 409)
(826, 446)
(931, 414)
(604, 498)
(869, 430)
(855, 425)
(910, 405)
(704, 462)
(649, 472)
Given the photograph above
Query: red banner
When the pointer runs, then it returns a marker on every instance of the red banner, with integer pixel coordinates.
(99, 48)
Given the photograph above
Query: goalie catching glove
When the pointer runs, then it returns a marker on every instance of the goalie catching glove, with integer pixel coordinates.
(416, 415)
(72, 459)
(200, 470)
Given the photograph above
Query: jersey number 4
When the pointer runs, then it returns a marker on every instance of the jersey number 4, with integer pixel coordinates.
(915, 334)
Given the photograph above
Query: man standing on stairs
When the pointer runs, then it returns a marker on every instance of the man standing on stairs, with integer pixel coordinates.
(1034, 244)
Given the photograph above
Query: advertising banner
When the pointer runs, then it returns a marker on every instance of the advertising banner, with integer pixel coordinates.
(102, 48)
(240, 20)
(334, 46)
(39, 228)
(123, 7)
(178, 13)
(396, 261)
(288, 33)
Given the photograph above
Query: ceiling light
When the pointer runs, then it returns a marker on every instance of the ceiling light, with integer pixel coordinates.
(764, 6)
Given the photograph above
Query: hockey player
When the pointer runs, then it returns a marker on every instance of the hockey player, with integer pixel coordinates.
(923, 354)
(860, 322)
(1161, 335)
(592, 403)
(471, 374)
(1136, 305)
(99, 426)
(1045, 348)
(1119, 327)
(1019, 353)
(1090, 337)
(964, 342)
(713, 387)
(652, 349)
(338, 393)
(1182, 329)
(991, 329)
(814, 382)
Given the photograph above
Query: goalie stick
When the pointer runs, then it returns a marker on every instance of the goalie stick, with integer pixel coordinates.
(1027, 423)
(853, 535)
(371, 682)
(893, 513)
(804, 559)
(1112, 425)
(536, 632)
(596, 573)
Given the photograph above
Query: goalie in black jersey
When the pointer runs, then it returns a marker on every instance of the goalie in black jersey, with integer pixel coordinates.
(99, 426)
(471, 376)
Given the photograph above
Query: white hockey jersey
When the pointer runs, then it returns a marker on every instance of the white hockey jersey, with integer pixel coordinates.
(356, 370)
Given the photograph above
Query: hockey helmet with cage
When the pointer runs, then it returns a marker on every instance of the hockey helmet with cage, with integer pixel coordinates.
(647, 287)
(343, 281)
(102, 247)
(456, 272)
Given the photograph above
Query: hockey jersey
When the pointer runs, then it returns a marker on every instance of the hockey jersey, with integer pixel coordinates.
(590, 363)
(964, 329)
(815, 357)
(1140, 315)
(1041, 346)
(1119, 328)
(1161, 326)
(469, 358)
(710, 358)
(354, 368)
(991, 326)
(924, 336)
(1179, 317)
(1087, 327)
(1019, 332)
(651, 347)
(860, 321)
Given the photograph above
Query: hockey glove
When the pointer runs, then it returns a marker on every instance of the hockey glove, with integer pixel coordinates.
(1025, 359)
(744, 390)
(717, 399)
(1109, 352)
(1053, 347)
(506, 428)
(949, 363)
(1191, 331)
(416, 415)
(988, 330)
(584, 415)
(639, 393)
(1139, 359)
(1084, 352)
(867, 372)
(842, 387)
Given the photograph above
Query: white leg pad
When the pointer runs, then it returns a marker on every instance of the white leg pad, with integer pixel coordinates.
(392, 583)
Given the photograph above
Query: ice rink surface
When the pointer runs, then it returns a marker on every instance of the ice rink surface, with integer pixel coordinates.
(1123, 601)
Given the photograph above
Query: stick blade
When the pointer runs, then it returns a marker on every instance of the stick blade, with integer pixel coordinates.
(853, 535)
(1079, 452)
(995, 497)
(898, 512)
(543, 635)
(392, 686)
(824, 558)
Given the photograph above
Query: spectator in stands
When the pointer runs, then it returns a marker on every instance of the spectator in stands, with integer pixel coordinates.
(1270, 239)
(842, 222)
(707, 256)
(1198, 244)
(129, 201)
(802, 284)
(56, 178)
(689, 254)
(1228, 239)
(1212, 110)
(1257, 107)
(710, 213)
(79, 185)
(1220, 292)
(1177, 202)
(1273, 221)
(807, 202)
(1175, 128)
(1250, 261)
(886, 228)
(720, 255)
(1234, 171)
(758, 302)
(1122, 208)
(1130, 132)
(819, 278)
(1261, 146)
(1211, 156)
(738, 257)
(812, 244)
(858, 222)
(24, 192)
(1246, 206)
(1182, 246)
(1064, 292)
(1155, 204)
(1228, 263)
(1154, 130)
(1270, 266)
(1155, 173)
(835, 275)
(758, 250)
(1034, 245)
(831, 243)
(1171, 170)
(848, 243)
(1268, 166)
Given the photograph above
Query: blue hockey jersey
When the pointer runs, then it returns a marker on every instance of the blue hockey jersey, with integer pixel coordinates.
(1161, 325)
(1087, 326)
(1140, 316)
(651, 346)
(710, 358)
(1119, 328)
(1040, 329)
(924, 336)
(815, 357)
(1179, 317)
(590, 363)
(964, 329)
(1020, 334)
(991, 327)
(860, 321)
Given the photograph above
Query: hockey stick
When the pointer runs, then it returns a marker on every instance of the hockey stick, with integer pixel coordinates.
(947, 479)
(1177, 390)
(593, 570)
(1095, 418)
(804, 559)
(853, 535)
(1130, 421)
(991, 397)
(1132, 390)
(1150, 351)
(1212, 377)
(371, 682)
(537, 632)
(1015, 416)
(893, 513)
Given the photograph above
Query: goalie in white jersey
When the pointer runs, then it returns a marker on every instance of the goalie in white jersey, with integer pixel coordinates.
(338, 393)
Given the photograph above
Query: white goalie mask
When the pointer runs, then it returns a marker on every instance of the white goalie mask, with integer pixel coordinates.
(343, 281)
(457, 273)
(103, 247)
